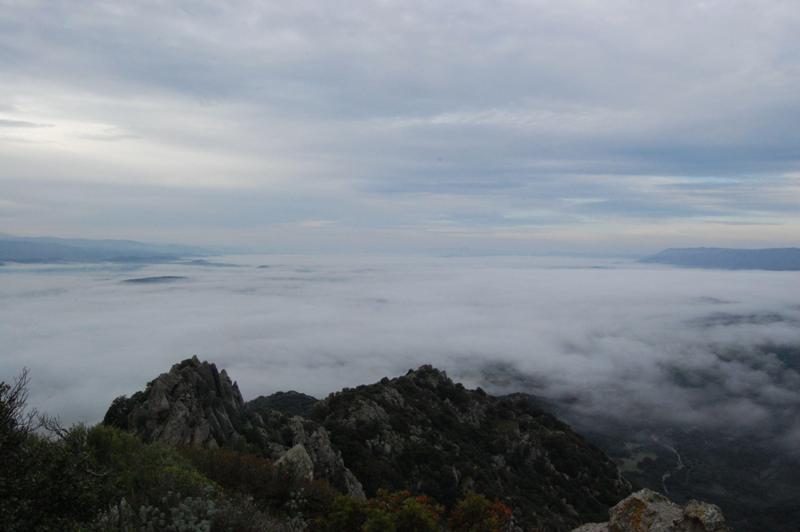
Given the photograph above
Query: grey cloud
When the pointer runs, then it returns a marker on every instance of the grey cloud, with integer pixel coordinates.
(511, 105)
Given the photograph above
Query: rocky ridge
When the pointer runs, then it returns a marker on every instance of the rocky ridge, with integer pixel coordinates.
(194, 404)
(420, 432)
(423, 432)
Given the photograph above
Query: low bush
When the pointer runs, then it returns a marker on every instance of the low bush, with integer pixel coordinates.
(476, 513)
(398, 511)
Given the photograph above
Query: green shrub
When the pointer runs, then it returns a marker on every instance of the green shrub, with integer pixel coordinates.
(270, 487)
(476, 513)
(345, 514)
(398, 511)
(45, 483)
(243, 473)
(408, 513)
(142, 473)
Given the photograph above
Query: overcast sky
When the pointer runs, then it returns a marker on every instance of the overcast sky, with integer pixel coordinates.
(614, 125)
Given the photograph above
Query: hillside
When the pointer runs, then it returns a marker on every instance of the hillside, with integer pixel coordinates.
(417, 453)
(420, 432)
(48, 249)
(424, 432)
(774, 259)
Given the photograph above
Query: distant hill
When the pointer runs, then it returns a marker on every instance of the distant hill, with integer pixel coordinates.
(48, 249)
(291, 403)
(775, 259)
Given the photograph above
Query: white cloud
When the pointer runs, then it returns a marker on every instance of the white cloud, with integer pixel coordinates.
(622, 340)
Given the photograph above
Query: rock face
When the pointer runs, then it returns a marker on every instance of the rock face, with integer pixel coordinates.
(298, 462)
(425, 433)
(193, 404)
(648, 511)
(196, 405)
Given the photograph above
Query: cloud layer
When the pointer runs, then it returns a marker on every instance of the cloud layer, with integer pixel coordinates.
(618, 125)
(685, 347)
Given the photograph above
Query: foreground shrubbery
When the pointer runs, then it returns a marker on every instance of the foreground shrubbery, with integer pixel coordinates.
(389, 511)
(103, 479)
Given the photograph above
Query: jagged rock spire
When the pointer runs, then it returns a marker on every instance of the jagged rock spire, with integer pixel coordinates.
(194, 404)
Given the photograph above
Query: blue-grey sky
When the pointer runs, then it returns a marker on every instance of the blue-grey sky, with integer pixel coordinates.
(535, 126)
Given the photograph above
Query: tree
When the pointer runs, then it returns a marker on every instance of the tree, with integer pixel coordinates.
(476, 513)
(16, 421)
(16, 425)
(45, 483)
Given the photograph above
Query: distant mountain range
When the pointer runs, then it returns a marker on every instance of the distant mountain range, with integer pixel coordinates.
(775, 259)
(49, 250)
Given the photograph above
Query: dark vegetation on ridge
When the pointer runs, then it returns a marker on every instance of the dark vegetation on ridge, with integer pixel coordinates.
(424, 432)
(102, 479)
(291, 403)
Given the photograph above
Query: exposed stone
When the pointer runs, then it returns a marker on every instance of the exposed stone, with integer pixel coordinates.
(193, 405)
(644, 511)
(298, 462)
(592, 527)
(196, 405)
(649, 511)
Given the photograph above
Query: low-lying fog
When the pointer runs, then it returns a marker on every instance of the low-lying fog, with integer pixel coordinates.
(617, 339)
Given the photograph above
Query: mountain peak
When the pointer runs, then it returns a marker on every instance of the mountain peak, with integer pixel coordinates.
(194, 404)
(428, 375)
(425, 433)
(420, 432)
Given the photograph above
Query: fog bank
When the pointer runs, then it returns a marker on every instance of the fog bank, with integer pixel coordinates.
(615, 339)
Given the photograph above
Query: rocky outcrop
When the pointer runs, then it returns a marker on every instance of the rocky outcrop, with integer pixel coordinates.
(425, 433)
(648, 511)
(420, 432)
(298, 462)
(194, 404)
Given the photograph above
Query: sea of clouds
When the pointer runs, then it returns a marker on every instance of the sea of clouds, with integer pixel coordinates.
(613, 339)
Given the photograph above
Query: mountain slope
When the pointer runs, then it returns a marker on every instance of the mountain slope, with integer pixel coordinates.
(421, 432)
(48, 249)
(775, 259)
(424, 432)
